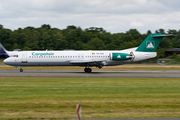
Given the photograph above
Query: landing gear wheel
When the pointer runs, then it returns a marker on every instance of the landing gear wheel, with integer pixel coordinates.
(87, 70)
(21, 70)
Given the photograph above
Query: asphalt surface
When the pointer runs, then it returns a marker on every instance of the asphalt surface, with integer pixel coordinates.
(57, 73)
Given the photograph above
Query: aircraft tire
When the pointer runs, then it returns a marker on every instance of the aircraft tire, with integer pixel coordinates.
(85, 69)
(89, 70)
(21, 70)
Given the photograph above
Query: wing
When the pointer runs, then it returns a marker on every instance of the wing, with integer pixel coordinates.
(90, 62)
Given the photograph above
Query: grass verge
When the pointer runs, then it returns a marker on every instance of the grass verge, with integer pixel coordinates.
(56, 98)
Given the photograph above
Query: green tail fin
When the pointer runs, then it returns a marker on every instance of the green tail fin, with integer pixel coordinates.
(151, 43)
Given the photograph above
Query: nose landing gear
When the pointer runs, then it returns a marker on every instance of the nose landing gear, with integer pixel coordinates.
(21, 70)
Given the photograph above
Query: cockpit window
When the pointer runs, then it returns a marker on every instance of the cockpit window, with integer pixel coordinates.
(14, 56)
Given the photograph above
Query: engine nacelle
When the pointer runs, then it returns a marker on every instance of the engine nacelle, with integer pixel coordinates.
(122, 56)
(119, 56)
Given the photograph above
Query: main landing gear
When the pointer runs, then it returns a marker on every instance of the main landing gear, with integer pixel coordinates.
(87, 70)
(21, 70)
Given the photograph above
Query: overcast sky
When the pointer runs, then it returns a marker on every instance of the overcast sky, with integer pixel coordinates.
(112, 15)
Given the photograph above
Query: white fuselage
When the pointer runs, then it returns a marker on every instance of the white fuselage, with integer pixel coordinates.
(145, 50)
(73, 58)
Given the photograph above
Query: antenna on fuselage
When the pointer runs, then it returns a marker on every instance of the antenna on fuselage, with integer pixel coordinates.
(17, 50)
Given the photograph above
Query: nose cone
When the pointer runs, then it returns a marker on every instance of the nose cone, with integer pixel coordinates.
(7, 61)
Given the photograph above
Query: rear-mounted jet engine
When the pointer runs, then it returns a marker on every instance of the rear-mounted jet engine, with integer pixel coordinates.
(122, 56)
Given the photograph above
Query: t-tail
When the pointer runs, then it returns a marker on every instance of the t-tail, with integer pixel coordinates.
(151, 43)
(147, 49)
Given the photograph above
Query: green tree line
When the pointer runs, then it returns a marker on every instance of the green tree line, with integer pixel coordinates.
(73, 37)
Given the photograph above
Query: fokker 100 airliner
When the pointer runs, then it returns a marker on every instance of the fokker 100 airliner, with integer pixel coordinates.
(91, 58)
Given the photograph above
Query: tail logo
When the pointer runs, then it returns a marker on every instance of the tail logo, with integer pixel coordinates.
(150, 44)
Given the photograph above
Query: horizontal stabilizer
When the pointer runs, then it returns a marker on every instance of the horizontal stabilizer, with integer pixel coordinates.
(157, 36)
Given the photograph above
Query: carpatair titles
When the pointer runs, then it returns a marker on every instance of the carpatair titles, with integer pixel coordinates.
(42, 54)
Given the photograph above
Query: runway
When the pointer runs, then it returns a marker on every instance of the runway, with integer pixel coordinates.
(59, 73)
